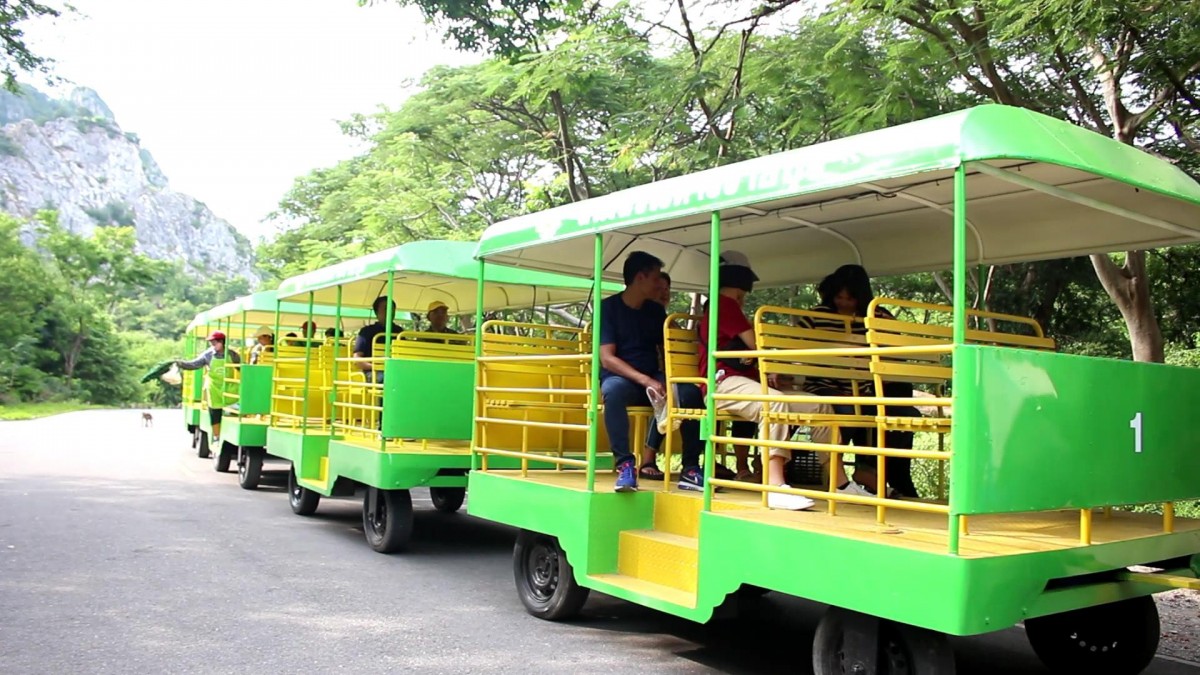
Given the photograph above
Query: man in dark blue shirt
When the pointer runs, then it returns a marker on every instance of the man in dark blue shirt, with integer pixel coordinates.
(631, 336)
(364, 344)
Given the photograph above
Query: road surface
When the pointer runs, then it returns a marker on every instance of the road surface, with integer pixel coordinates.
(120, 552)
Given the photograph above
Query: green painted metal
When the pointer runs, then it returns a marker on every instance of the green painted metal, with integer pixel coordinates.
(593, 411)
(1037, 431)
(947, 593)
(260, 309)
(241, 431)
(434, 270)
(303, 450)
(938, 143)
(710, 409)
(428, 399)
(254, 392)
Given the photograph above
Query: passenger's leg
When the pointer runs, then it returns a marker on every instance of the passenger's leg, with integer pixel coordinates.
(778, 458)
(899, 469)
(648, 468)
(741, 453)
(691, 477)
(619, 394)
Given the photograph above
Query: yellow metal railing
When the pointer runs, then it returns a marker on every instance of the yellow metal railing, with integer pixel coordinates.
(532, 394)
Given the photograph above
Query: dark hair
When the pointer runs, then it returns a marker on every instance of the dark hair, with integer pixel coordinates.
(666, 276)
(330, 332)
(735, 276)
(382, 299)
(639, 262)
(854, 280)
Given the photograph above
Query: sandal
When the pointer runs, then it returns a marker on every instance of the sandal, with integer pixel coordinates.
(650, 471)
(748, 477)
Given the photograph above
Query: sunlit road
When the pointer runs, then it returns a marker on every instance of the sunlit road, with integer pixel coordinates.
(120, 551)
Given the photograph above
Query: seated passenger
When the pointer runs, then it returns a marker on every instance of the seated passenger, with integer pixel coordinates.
(631, 334)
(741, 376)
(364, 344)
(847, 292)
(264, 342)
(438, 315)
(309, 330)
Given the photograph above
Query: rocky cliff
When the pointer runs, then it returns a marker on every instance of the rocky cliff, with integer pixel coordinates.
(71, 155)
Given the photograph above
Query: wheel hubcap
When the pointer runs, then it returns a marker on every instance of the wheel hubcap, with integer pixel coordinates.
(543, 571)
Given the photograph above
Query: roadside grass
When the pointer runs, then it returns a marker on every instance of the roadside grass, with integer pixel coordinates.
(30, 411)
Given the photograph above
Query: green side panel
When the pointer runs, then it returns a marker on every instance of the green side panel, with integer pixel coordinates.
(428, 399)
(239, 431)
(191, 414)
(1039, 431)
(959, 596)
(394, 470)
(255, 390)
(587, 525)
(195, 386)
(301, 450)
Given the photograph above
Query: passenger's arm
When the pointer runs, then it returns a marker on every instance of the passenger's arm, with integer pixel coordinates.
(614, 364)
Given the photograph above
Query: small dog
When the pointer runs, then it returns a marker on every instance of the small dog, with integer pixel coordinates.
(147, 419)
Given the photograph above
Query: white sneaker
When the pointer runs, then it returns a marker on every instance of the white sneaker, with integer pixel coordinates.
(853, 488)
(786, 502)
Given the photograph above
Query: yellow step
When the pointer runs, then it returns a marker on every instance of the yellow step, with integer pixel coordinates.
(635, 587)
(323, 476)
(678, 513)
(660, 558)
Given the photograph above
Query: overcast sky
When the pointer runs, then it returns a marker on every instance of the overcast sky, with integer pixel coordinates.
(236, 98)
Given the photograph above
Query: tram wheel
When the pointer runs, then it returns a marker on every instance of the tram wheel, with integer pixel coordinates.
(387, 519)
(897, 648)
(545, 579)
(250, 468)
(202, 445)
(221, 455)
(447, 499)
(1118, 637)
(302, 500)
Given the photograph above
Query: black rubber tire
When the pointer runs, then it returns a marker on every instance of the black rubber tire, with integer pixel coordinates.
(545, 579)
(302, 500)
(221, 456)
(250, 468)
(1118, 637)
(202, 449)
(903, 649)
(389, 528)
(447, 499)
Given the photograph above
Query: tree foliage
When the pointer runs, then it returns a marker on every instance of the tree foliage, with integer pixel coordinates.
(582, 99)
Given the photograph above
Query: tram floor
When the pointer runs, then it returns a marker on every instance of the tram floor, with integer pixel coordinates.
(985, 535)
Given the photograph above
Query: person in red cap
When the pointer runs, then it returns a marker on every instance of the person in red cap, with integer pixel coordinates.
(214, 379)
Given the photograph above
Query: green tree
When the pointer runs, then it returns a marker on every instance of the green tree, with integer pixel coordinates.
(1126, 69)
(92, 274)
(17, 55)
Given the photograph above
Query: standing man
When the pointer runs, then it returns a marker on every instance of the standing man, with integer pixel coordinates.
(631, 336)
(213, 359)
(364, 344)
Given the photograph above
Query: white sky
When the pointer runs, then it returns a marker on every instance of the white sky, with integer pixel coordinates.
(236, 98)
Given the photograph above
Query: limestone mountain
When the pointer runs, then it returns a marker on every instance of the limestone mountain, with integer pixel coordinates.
(71, 155)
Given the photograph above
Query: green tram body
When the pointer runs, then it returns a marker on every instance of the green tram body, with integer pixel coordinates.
(244, 425)
(345, 435)
(1042, 444)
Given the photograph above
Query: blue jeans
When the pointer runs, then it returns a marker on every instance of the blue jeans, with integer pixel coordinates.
(620, 394)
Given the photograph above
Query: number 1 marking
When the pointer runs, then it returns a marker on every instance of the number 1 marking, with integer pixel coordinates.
(1136, 425)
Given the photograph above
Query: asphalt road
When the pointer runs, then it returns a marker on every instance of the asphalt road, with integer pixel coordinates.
(120, 551)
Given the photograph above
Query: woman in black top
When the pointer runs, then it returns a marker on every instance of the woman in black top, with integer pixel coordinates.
(847, 292)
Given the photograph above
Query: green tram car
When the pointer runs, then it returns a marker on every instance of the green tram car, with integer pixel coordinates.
(246, 387)
(1041, 449)
(399, 418)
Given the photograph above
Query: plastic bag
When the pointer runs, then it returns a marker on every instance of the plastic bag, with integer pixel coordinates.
(172, 376)
(659, 403)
